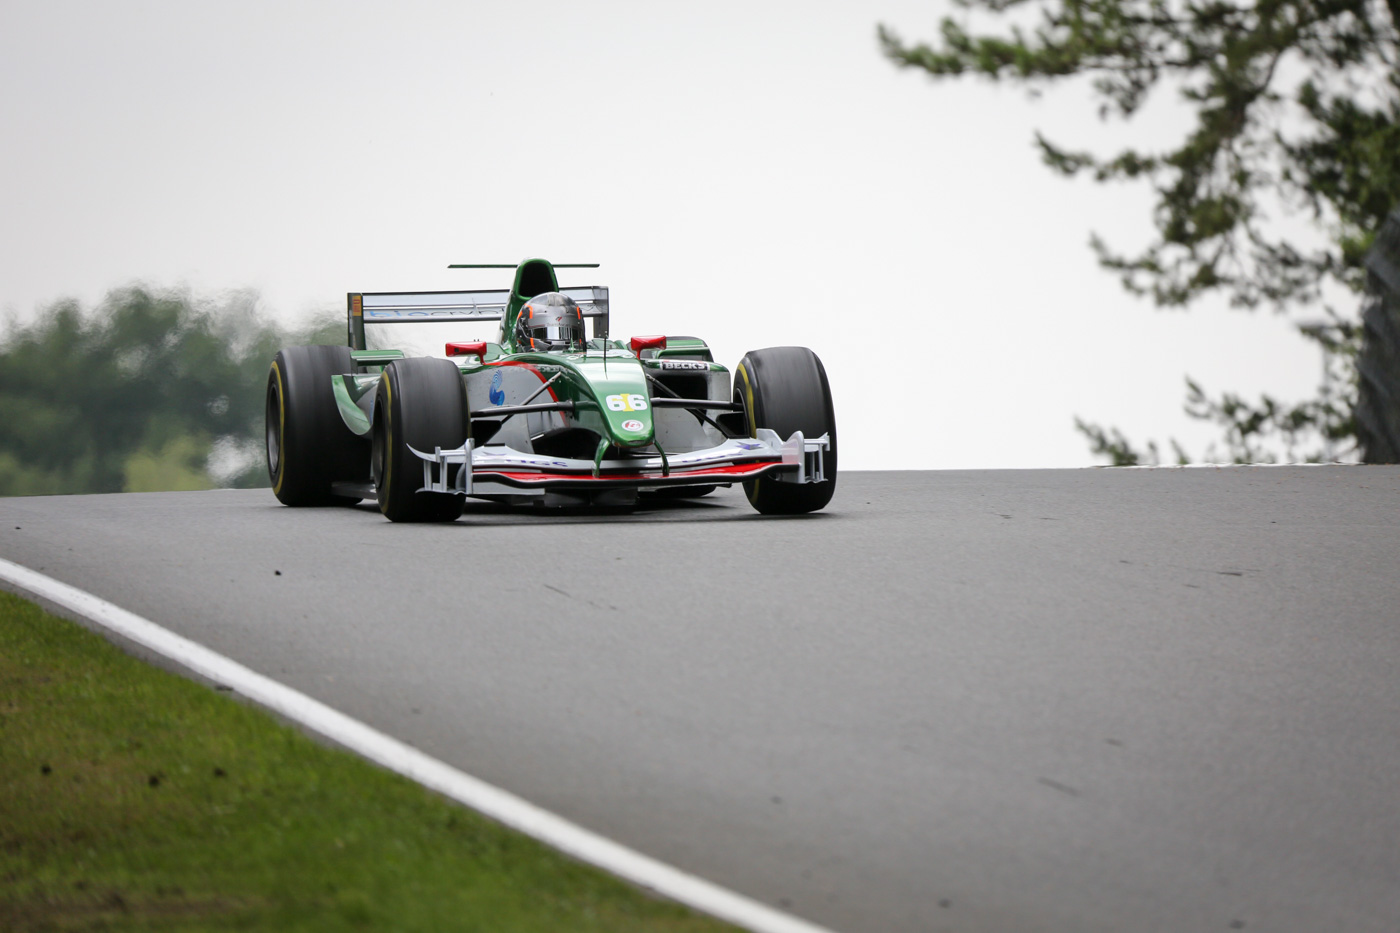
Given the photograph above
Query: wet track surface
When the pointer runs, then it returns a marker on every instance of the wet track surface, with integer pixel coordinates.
(994, 701)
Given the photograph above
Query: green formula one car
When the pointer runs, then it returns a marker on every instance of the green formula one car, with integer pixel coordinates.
(546, 414)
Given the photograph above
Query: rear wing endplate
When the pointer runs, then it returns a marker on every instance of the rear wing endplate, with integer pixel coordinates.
(446, 307)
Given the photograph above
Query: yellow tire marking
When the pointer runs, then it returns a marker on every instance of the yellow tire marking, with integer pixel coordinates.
(748, 395)
(388, 433)
(753, 420)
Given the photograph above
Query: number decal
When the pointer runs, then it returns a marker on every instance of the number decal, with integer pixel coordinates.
(627, 402)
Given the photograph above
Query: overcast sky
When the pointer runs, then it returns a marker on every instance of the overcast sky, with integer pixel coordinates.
(753, 173)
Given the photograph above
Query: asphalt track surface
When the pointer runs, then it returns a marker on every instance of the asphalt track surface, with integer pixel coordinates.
(978, 701)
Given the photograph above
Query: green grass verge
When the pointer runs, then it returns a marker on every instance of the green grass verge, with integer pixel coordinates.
(132, 799)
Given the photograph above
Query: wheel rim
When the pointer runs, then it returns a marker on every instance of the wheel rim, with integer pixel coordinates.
(376, 455)
(274, 430)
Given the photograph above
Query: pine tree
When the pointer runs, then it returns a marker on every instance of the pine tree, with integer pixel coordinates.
(1296, 109)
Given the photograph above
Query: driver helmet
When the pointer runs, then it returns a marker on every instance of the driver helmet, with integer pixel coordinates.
(550, 321)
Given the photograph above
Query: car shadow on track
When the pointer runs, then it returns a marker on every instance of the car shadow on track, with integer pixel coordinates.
(649, 512)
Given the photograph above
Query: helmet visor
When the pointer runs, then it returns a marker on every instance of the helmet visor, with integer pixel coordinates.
(556, 335)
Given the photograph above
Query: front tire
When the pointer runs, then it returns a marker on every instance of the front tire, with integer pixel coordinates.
(308, 445)
(421, 403)
(785, 389)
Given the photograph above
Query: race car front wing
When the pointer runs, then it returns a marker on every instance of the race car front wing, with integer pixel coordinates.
(497, 469)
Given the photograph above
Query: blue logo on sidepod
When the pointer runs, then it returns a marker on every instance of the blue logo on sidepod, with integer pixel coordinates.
(497, 395)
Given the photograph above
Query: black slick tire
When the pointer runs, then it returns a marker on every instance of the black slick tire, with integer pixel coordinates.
(785, 389)
(421, 403)
(308, 445)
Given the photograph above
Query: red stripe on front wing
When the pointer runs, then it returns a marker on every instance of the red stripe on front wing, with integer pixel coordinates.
(729, 471)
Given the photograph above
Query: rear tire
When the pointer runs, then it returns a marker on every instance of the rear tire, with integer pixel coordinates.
(421, 403)
(308, 445)
(785, 389)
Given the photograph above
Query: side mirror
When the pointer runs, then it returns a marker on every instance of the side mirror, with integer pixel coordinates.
(647, 343)
(476, 349)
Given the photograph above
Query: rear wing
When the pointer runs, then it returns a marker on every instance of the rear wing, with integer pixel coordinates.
(446, 307)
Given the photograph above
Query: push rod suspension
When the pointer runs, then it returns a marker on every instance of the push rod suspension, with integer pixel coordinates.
(701, 403)
(508, 410)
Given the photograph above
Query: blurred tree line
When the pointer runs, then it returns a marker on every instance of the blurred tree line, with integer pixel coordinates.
(1296, 114)
(151, 390)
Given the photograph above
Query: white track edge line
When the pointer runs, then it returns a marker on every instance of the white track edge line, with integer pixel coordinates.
(485, 798)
